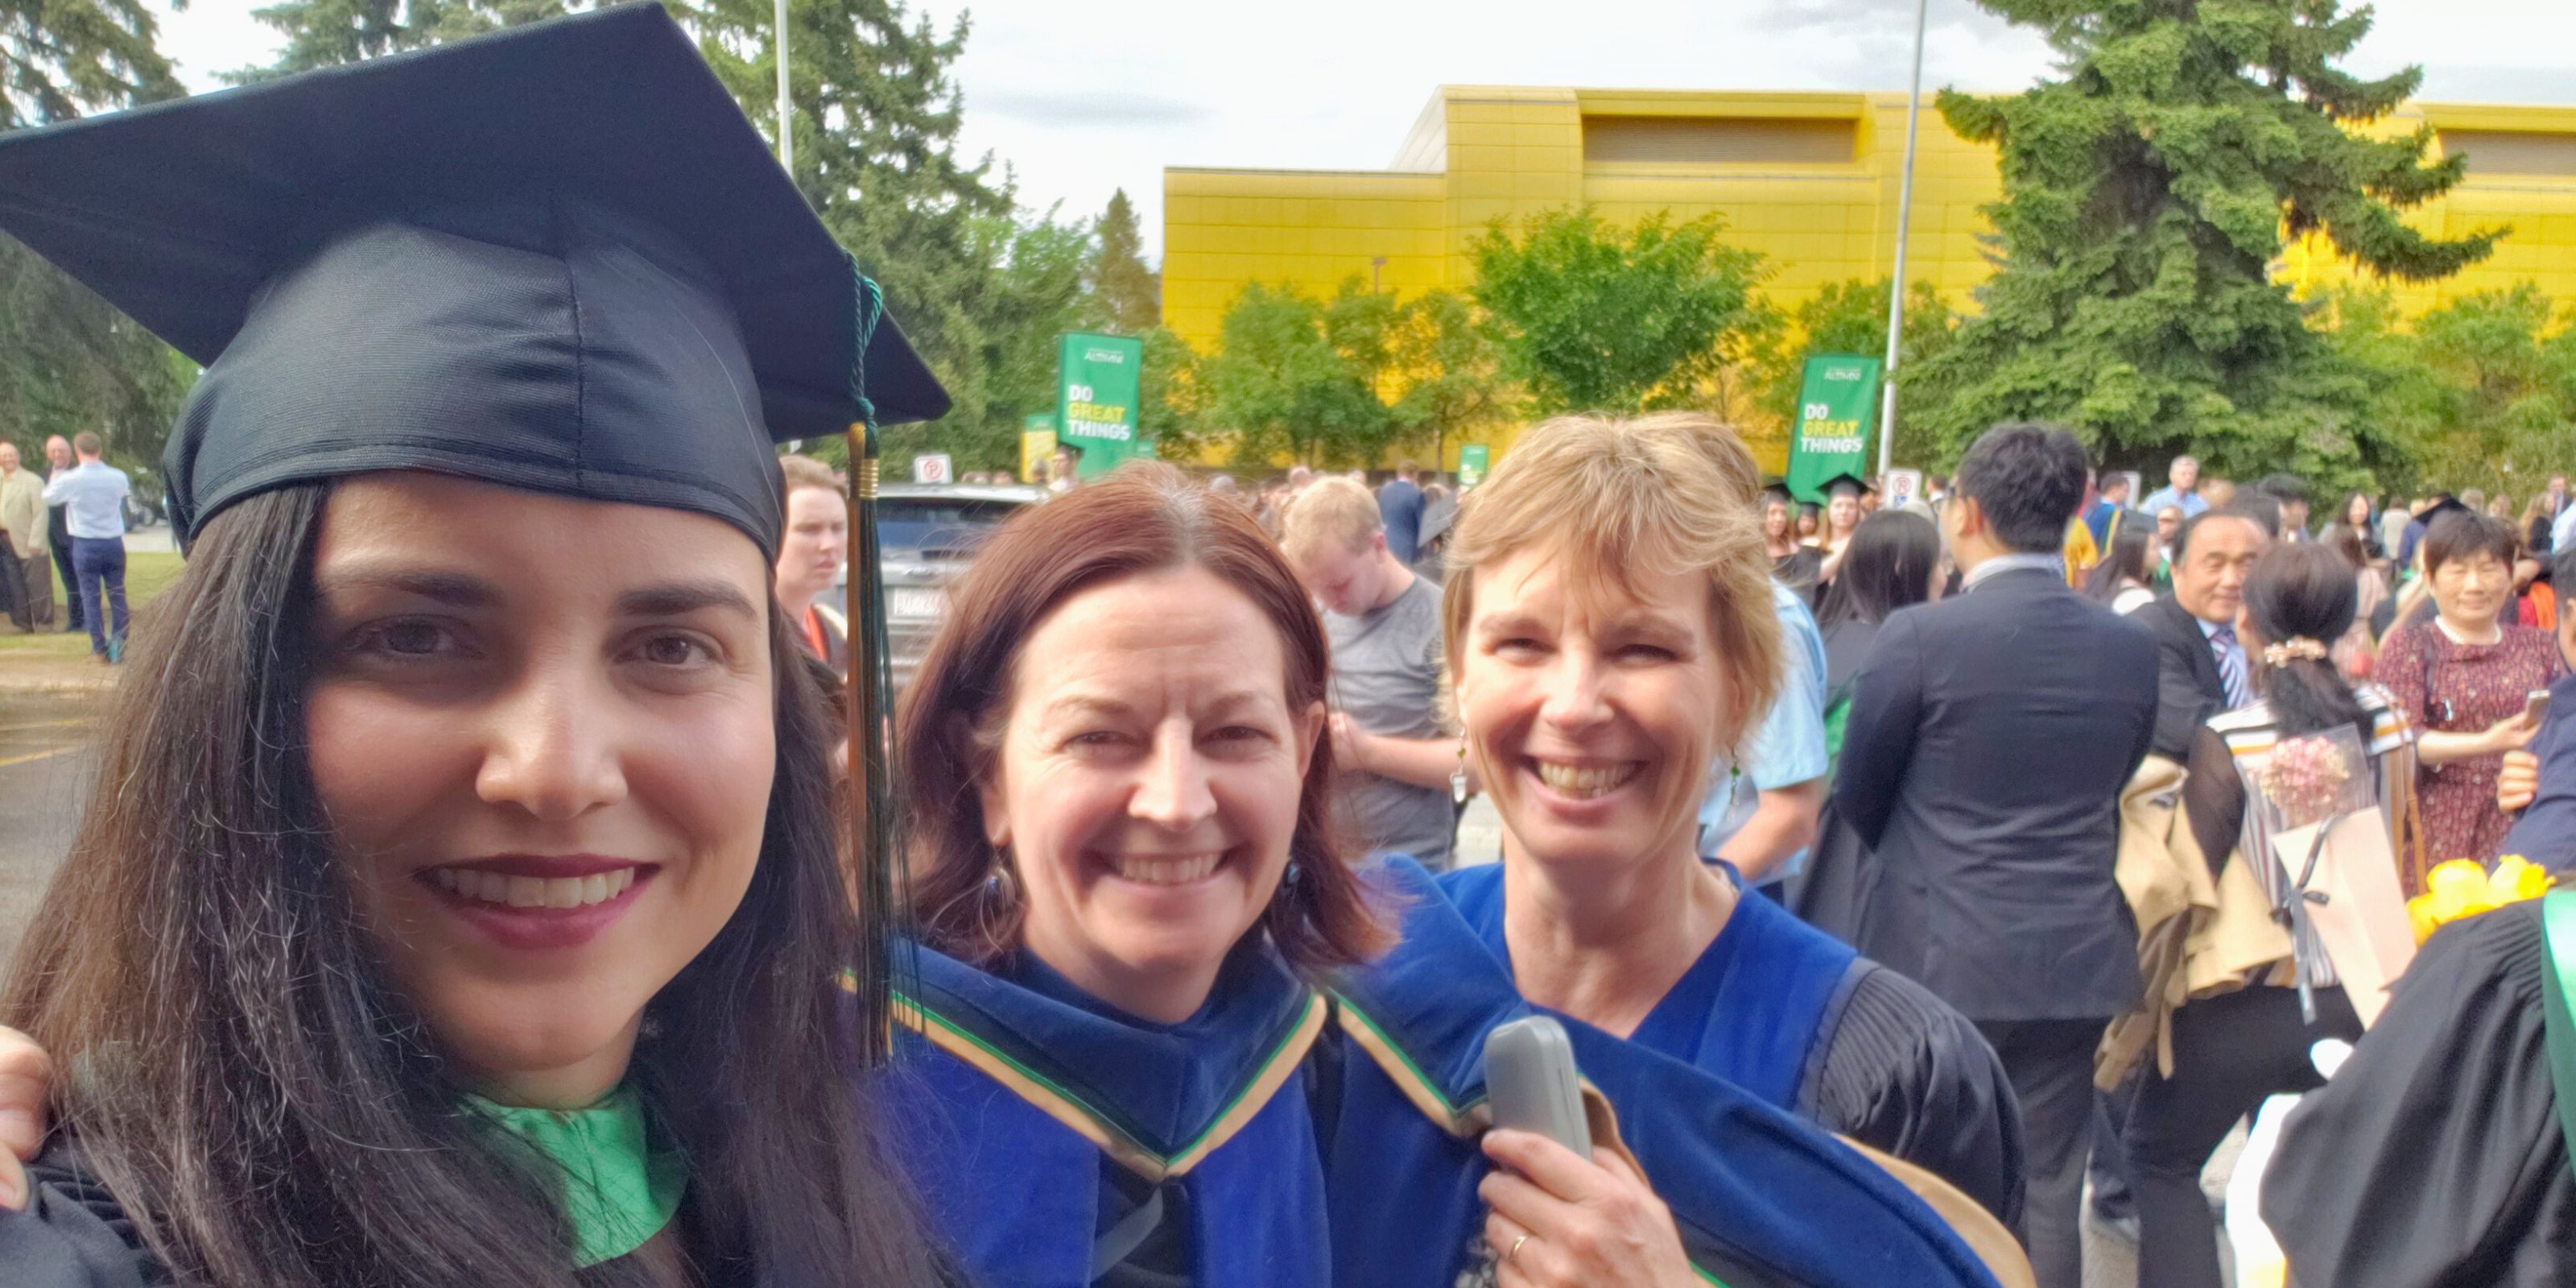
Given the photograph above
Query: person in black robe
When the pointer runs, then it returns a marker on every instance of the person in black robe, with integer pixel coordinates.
(2437, 1155)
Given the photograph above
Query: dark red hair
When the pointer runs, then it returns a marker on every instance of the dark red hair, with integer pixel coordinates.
(1145, 518)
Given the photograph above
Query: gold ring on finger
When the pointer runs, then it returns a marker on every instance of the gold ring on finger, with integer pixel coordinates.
(1515, 1248)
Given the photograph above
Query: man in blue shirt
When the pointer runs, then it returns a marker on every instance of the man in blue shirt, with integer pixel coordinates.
(2541, 779)
(93, 494)
(1399, 510)
(1761, 814)
(2183, 489)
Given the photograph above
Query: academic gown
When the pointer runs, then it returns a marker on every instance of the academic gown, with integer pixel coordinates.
(74, 1234)
(2434, 1157)
(1762, 1198)
(1041, 1126)
(1801, 1020)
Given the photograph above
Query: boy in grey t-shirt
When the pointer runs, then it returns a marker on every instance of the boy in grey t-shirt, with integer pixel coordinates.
(1393, 789)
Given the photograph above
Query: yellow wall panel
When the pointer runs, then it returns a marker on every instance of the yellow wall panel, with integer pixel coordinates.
(1515, 151)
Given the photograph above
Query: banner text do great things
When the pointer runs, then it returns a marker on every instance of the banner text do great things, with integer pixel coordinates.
(1097, 379)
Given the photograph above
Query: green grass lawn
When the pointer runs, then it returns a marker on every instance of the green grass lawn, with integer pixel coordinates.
(146, 575)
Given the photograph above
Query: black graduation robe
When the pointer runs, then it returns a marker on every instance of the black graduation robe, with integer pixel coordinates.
(74, 1234)
(2434, 1157)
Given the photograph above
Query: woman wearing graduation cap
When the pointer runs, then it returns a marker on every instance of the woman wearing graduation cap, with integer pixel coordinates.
(1842, 519)
(462, 904)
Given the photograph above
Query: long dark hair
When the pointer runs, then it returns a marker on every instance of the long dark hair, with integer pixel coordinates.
(1144, 518)
(273, 1113)
(2305, 592)
(2124, 562)
(1888, 566)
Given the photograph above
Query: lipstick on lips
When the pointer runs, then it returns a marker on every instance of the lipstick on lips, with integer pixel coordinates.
(539, 901)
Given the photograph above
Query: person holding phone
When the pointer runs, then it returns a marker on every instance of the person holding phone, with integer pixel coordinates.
(2464, 681)
(1610, 634)
(1128, 891)
(2538, 783)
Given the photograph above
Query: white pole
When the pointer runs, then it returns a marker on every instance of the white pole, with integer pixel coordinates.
(786, 129)
(1904, 215)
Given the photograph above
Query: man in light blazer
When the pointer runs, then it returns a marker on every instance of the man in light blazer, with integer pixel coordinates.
(1988, 743)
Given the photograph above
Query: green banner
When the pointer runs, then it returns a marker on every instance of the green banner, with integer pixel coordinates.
(1097, 377)
(1837, 408)
(1473, 460)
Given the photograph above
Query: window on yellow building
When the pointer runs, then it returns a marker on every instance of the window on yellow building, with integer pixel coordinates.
(1719, 140)
(2513, 151)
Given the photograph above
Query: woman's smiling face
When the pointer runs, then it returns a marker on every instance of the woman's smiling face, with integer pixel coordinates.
(1593, 710)
(1146, 784)
(543, 733)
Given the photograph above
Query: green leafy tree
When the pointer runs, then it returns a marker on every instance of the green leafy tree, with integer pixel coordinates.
(1595, 317)
(1849, 316)
(2505, 363)
(1169, 394)
(1451, 368)
(1130, 294)
(2145, 192)
(1277, 387)
(68, 362)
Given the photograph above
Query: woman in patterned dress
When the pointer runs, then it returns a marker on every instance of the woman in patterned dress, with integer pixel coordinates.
(2462, 679)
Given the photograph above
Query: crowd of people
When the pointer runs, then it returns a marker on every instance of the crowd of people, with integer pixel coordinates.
(74, 518)
(482, 899)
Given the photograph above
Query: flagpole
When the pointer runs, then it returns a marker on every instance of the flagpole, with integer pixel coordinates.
(1904, 217)
(786, 130)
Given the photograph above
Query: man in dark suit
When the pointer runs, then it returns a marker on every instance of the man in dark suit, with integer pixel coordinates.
(1987, 747)
(2201, 667)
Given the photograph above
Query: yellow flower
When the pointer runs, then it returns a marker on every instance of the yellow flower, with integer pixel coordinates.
(2517, 878)
(2419, 914)
(2459, 889)
(2463, 888)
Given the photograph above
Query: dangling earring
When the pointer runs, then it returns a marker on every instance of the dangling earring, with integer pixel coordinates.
(1001, 885)
(1458, 776)
(1288, 883)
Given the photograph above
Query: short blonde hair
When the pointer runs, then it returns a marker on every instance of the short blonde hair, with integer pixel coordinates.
(1332, 511)
(1672, 492)
(801, 472)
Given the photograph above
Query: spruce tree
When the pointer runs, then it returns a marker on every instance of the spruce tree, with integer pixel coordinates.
(2146, 191)
(1130, 294)
(68, 362)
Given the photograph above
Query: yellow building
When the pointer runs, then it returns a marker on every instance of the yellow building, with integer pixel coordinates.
(1809, 179)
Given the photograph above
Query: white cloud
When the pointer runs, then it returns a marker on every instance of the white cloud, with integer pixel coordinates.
(1080, 99)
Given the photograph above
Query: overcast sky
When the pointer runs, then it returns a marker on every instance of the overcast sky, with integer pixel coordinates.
(1082, 98)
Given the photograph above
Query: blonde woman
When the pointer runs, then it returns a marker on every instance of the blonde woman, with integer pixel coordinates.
(1611, 636)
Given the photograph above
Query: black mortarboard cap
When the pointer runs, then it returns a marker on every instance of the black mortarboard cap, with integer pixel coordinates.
(1856, 483)
(556, 258)
(2446, 504)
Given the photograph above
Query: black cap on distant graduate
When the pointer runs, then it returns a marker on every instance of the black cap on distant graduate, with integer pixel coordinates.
(1845, 482)
(556, 258)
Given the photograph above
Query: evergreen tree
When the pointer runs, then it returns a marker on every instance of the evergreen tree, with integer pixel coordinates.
(68, 362)
(876, 114)
(327, 33)
(1131, 295)
(2145, 193)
